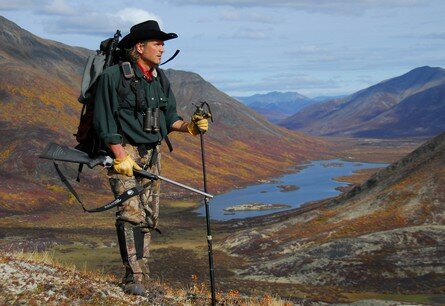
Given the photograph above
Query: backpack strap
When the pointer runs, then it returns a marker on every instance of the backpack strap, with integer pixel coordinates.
(133, 83)
(125, 85)
(135, 86)
(124, 89)
(165, 84)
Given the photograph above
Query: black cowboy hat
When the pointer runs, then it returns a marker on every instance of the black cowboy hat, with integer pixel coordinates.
(142, 31)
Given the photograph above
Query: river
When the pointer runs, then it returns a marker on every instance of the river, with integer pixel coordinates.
(316, 181)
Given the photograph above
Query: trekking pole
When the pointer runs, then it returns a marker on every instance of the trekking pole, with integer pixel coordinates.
(207, 114)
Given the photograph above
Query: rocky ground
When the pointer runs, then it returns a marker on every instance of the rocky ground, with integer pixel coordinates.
(35, 279)
(24, 282)
(409, 259)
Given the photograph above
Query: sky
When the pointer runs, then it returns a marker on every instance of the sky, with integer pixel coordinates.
(313, 47)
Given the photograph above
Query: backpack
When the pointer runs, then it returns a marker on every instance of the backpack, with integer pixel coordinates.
(108, 55)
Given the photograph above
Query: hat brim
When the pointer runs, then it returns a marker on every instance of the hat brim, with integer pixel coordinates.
(134, 37)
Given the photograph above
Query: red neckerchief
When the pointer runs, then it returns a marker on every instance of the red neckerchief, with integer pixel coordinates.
(148, 75)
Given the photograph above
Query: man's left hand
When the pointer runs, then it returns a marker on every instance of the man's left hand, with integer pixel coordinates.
(198, 124)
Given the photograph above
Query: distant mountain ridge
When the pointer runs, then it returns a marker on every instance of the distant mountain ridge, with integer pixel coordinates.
(276, 106)
(326, 98)
(409, 105)
(38, 104)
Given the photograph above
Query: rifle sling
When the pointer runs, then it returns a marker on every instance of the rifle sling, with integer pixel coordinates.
(68, 185)
(117, 201)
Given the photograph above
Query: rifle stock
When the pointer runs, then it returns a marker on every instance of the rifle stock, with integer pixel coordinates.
(57, 152)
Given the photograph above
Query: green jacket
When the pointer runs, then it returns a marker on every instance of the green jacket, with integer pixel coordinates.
(110, 117)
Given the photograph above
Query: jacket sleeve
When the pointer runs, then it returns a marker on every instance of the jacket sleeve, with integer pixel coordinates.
(105, 110)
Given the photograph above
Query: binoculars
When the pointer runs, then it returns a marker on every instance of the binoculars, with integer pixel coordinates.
(151, 120)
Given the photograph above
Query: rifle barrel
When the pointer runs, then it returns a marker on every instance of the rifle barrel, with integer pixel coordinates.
(154, 176)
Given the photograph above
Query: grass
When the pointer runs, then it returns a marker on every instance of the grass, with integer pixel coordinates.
(51, 259)
(106, 259)
(41, 257)
(358, 177)
(410, 298)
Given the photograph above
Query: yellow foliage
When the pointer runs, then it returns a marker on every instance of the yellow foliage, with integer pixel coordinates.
(239, 145)
(6, 152)
(56, 188)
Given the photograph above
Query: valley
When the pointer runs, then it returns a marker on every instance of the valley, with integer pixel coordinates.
(382, 238)
(88, 242)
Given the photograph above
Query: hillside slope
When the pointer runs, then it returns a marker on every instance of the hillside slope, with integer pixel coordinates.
(38, 94)
(398, 107)
(386, 235)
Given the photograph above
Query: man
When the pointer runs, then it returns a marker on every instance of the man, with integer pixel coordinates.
(132, 128)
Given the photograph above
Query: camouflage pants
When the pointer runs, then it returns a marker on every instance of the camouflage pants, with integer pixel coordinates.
(136, 216)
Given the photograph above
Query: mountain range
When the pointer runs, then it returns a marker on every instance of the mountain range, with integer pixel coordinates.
(409, 105)
(38, 103)
(276, 106)
(385, 235)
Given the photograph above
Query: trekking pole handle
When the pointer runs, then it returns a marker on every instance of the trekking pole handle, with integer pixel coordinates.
(203, 109)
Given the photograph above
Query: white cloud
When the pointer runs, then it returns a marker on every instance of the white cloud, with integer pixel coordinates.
(96, 23)
(43, 7)
(440, 36)
(327, 7)
(237, 15)
(57, 7)
(17, 4)
(248, 33)
(133, 16)
(278, 82)
(80, 17)
(230, 15)
(306, 50)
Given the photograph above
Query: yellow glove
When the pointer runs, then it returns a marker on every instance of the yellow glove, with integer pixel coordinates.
(125, 166)
(198, 124)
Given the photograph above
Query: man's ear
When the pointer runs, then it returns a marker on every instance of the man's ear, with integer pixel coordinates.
(140, 47)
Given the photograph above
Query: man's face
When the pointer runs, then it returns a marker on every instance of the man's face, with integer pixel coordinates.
(151, 52)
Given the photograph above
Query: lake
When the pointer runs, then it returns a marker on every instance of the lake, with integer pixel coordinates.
(316, 181)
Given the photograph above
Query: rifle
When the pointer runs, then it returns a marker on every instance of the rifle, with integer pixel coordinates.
(57, 152)
(109, 48)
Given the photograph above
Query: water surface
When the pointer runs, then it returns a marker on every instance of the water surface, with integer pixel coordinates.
(315, 182)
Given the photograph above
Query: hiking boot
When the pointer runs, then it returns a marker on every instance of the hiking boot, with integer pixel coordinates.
(128, 278)
(134, 288)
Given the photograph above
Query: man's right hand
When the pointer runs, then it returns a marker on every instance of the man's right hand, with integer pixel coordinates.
(125, 166)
